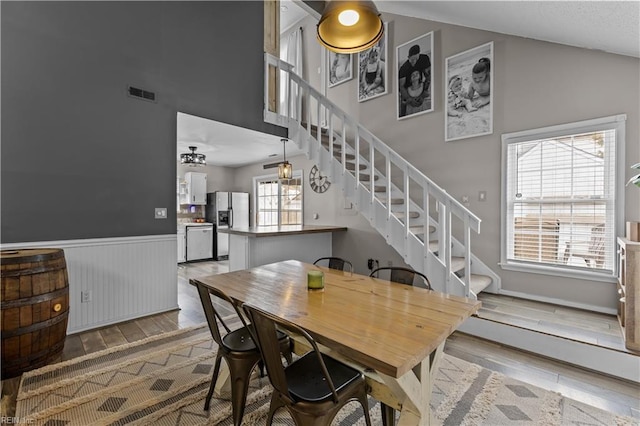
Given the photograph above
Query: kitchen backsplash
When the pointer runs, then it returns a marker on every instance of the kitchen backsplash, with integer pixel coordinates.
(188, 213)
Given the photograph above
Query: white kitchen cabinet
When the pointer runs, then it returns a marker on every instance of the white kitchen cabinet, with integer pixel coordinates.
(182, 245)
(196, 188)
(181, 193)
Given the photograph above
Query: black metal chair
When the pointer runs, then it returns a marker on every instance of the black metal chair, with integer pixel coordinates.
(315, 387)
(335, 263)
(399, 274)
(237, 348)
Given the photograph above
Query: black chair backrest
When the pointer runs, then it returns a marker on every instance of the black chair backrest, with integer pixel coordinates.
(264, 326)
(399, 274)
(211, 314)
(335, 263)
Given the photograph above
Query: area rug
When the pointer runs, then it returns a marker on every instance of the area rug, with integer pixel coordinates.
(163, 380)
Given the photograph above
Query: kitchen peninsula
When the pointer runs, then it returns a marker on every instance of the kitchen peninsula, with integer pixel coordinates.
(255, 246)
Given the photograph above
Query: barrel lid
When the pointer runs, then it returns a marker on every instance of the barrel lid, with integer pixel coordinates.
(8, 257)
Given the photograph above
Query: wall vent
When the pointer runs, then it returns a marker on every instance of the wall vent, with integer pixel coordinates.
(141, 94)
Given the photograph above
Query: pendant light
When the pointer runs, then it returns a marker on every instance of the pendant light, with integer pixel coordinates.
(193, 159)
(350, 26)
(285, 169)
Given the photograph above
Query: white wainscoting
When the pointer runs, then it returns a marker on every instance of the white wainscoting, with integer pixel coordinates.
(128, 277)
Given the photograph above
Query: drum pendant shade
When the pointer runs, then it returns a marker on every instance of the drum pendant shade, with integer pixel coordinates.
(357, 37)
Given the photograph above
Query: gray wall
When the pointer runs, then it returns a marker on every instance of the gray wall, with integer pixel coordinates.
(81, 159)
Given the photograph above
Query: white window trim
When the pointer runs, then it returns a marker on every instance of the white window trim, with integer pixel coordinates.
(616, 122)
(295, 175)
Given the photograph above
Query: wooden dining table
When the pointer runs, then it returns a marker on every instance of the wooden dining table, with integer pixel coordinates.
(394, 333)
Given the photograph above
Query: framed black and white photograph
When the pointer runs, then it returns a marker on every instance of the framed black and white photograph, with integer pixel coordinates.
(415, 79)
(372, 70)
(469, 89)
(340, 68)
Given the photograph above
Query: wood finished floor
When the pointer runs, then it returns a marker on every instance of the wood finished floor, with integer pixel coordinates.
(605, 392)
(571, 323)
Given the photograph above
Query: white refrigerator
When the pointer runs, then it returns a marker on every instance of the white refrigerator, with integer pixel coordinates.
(226, 210)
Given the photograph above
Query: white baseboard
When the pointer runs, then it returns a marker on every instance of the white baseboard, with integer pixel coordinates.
(127, 277)
(560, 302)
(113, 321)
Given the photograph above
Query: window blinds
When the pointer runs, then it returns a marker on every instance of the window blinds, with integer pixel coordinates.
(560, 200)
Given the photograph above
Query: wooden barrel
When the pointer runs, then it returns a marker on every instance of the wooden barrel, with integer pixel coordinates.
(35, 308)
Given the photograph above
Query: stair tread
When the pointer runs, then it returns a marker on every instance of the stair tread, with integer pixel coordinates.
(325, 144)
(401, 215)
(352, 166)
(394, 201)
(479, 282)
(457, 263)
(380, 188)
(420, 229)
(338, 154)
(367, 178)
(324, 139)
(314, 127)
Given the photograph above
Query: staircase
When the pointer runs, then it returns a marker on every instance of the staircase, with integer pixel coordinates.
(429, 228)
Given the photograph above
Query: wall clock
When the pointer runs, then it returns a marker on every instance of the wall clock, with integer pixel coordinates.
(318, 182)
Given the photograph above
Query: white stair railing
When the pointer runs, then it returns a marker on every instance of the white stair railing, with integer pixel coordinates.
(377, 167)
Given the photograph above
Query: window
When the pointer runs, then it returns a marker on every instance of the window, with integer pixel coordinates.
(562, 198)
(279, 201)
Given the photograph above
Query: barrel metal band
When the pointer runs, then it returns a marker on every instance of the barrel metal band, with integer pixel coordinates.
(8, 304)
(38, 270)
(33, 258)
(37, 326)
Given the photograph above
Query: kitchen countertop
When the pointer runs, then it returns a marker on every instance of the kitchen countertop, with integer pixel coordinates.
(271, 231)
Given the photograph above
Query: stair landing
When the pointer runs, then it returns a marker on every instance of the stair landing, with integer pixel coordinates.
(582, 338)
(572, 323)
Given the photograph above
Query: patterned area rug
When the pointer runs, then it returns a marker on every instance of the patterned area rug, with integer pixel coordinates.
(163, 380)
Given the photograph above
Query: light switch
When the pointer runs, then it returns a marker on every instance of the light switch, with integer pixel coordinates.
(161, 213)
(482, 196)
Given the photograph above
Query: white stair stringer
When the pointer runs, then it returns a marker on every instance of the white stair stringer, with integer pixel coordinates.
(376, 191)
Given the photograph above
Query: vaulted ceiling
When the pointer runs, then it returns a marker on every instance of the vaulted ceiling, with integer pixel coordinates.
(610, 26)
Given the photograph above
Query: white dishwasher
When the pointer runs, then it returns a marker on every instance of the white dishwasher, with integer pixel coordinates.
(199, 242)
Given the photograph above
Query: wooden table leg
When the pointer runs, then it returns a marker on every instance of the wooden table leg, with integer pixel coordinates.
(413, 390)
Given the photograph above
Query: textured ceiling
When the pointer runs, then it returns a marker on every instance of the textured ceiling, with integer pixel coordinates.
(610, 26)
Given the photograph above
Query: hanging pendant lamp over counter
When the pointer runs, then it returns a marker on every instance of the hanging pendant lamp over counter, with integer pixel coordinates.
(193, 159)
(285, 169)
(350, 26)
